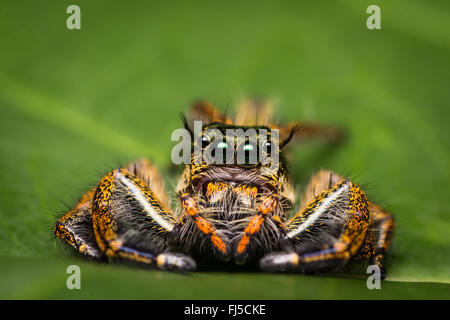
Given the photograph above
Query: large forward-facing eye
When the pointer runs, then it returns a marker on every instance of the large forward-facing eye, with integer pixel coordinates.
(222, 145)
(205, 141)
(248, 153)
(221, 151)
(268, 146)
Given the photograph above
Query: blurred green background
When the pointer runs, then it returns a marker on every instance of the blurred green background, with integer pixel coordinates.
(74, 104)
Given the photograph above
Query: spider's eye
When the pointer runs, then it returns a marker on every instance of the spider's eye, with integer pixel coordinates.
(205, 141)
(221, 152)
(222, 145)
(248, 147)
(250, 152)
(268, 147)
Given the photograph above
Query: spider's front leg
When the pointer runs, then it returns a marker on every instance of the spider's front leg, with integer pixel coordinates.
(138, 231)
(334, 226)
(127, 221)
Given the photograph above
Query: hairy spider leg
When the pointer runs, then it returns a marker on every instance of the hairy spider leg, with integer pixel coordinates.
(206, 111)
(308, 130)
(153, 217)
(342, 194)
(91, 227)
(145, 170)
(380, 231)
(254, 112)
(75, 227)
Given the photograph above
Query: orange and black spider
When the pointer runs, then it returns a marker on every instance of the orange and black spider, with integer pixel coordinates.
(230, 211)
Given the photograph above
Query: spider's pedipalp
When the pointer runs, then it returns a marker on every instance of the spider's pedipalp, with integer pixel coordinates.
(204, 225)
(255, 226)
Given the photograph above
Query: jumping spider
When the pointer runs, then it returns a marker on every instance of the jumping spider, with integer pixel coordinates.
(234, 212)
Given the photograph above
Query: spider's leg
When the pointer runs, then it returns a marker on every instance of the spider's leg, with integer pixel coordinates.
(336, 220)
(265, 210)
(128, 219)
(131, 223)
(381, 228)
(309, 130)
(253, 112)
(75, 227)
(146, 171)
(207, 112)
(202, 224)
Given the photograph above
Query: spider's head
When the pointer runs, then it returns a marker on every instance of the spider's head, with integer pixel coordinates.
(250, 155)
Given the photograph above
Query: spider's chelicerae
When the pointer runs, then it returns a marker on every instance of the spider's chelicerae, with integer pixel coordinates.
(232, 211)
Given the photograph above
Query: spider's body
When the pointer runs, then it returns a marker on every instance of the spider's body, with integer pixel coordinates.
(230, 211)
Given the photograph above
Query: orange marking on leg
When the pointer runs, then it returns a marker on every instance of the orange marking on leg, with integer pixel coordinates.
(218, 243)
(268, 205)
(254, 225)
(243, 243)
(277, 219)
(340, 246)
(203, 225)
(189, 204)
